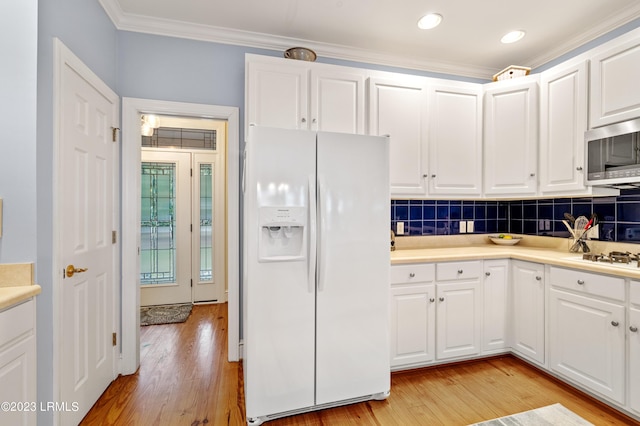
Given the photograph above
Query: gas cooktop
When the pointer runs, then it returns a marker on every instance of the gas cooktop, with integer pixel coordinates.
(613, 258)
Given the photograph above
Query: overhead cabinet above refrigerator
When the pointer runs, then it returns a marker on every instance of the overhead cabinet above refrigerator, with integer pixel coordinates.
(316, 271)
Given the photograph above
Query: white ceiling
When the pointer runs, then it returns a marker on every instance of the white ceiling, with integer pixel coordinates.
(467, 43)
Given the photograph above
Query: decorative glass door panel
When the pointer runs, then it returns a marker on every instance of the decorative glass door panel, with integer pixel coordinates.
(165, 228)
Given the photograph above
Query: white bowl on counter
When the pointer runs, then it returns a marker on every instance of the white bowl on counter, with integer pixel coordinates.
(505, 241)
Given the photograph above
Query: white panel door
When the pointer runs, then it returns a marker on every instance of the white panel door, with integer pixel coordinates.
(277, 95)
(495, 288)
(398, 108)
(614, 94)
(352, 330)
(455, 140)
(337, 101)
(511, 138)
(528, 309)
(587, 342)
(458, 319)
(278, 290)
(634, 356)
(563, 122)
(413, 331)
(87, 160)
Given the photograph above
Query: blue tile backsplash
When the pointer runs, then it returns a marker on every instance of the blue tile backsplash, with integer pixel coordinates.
(619, 216)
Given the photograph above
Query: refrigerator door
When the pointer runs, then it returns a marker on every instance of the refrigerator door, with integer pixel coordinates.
(352, 310)
(279, 300)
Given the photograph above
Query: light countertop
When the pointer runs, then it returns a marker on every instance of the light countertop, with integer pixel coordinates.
(17, 284)
(547, 250)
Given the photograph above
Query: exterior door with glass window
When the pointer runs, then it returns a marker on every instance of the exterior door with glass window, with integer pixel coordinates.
(165, 228)
(182, 227)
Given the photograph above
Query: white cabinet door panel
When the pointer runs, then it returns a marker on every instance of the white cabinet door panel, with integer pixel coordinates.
(528, 327)
(397, 107)
(587, 342)
(337, 101)
(458, 319)
(412, 324)
(495, 292)
(634, 359)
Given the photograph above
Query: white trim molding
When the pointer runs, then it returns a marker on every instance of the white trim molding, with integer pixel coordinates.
(132, 108)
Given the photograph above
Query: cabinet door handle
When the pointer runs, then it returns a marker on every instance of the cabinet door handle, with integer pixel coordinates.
(633, 329)
(433, 176)
(412, 275)
(432, 300)
(615, 323)
(304, 120)
(487, 274)
(314, 121)
(538, 278)
(441, 299)
(460, 271)
(580, 282)
(579, 168)
(532, 174)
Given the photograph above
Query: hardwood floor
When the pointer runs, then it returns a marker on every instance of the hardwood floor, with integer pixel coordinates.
(184, 379)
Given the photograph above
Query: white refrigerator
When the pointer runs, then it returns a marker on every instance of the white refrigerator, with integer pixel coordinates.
(315, 271)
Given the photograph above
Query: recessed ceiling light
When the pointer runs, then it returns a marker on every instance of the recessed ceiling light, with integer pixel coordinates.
(512, 37)
(429, 21)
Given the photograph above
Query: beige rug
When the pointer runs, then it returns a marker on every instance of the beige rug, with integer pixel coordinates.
(551, 415)
(164, 314)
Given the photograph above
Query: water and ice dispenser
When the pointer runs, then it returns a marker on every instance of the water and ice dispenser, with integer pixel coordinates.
(282, 233)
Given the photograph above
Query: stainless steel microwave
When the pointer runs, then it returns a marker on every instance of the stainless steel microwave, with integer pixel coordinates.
(613, 155)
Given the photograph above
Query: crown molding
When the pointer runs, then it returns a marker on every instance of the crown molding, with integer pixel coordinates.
(613, 22)
(173, 28)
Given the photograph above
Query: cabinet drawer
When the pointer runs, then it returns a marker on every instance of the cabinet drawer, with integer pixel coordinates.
(588, 283)
(634, 292)
(458, 270)
(407, 274)
(16, 321)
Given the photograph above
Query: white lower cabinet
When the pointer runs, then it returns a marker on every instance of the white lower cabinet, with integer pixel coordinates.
(18, 364)
(528, 322)
(458, 309)
(495, 290)
(634, 347)
(587, 332)
(412, 314)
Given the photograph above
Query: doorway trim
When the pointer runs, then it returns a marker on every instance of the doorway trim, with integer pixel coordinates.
(132, 108)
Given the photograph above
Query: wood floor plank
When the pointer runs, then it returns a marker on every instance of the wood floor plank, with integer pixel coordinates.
(185, 379)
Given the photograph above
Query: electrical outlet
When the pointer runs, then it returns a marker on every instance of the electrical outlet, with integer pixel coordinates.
(400, 228)
(463, 227)
(470, 226)
(547, 225)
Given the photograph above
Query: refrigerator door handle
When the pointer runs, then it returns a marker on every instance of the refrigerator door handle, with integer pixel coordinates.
(311, 194)
(321, 237)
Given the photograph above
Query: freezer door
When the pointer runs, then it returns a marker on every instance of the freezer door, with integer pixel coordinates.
(352, 343)
(279, 298)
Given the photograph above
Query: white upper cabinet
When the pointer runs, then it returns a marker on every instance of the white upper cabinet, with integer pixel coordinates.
(301, 95)
(455, 139)
(615, 87)
(511, 137)
(563, 121)
(337, 101)
(277, 95)
(398, 108)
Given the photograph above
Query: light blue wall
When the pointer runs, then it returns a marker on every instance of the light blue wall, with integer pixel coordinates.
(85, 29)
(18, 48)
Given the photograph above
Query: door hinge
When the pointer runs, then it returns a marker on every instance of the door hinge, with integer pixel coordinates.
(114, 133)
(114, 237)
(191, 282)
(114, 338)
(191, 229)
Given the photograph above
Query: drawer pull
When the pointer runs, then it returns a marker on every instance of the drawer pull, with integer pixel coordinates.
(460, 271)
(538, 278)
(432, 300)
(615, 323)
(442, 299)
(633, 329)
(580, 282)
(412, 275)
(488, 274)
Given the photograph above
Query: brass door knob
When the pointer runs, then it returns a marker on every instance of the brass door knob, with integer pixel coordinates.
(73, 270)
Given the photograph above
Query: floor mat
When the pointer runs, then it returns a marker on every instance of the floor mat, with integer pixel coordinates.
(164, 314)
(552, 415)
